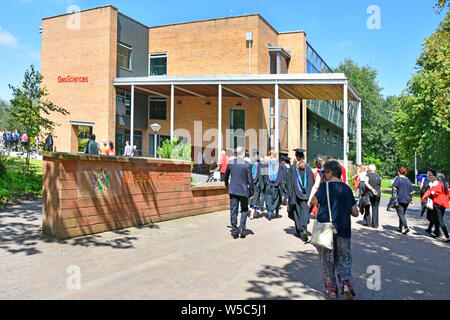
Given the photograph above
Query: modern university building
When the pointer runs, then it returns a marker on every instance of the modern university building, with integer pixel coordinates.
(238, 75)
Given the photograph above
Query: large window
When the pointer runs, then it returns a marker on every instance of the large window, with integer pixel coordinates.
(158, 109)
(158, 64)
(237, 126)
(124, 56)
(123, 102)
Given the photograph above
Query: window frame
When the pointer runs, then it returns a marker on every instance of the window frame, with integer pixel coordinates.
(157, 55)
(130, 58)
(159, 99)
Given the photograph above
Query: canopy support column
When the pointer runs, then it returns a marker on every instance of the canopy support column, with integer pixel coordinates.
(132, 117)
(219, 124)
(346, 126)
(277, 119)
(172, 110)
(358, 134)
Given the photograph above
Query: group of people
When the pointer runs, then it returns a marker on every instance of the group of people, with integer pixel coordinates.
(107, 149)
(265, 182)
(16, 141)
(93, 148)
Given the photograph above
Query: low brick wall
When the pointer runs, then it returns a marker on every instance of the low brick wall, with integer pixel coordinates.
(90, 194)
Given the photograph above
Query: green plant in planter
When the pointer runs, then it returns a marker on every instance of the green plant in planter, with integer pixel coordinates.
(175, 150)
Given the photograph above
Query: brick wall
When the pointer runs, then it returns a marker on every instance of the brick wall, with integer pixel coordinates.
(138, 192)
(88, 51)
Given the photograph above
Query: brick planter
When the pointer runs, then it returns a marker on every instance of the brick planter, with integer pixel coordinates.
(90, 194)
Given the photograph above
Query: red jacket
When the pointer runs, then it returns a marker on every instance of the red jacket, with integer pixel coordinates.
(344, 174)
(439, 197)
(223, 163)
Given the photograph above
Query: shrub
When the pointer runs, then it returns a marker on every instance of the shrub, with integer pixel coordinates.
(175, 150)
(81, 144)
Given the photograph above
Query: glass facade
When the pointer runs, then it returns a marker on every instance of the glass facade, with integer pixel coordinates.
(237, 126)
(332, 111)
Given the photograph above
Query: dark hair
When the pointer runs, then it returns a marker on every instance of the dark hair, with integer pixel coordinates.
(444, 184)
(111, 145)
(93, 137)
(403, 171)
(432, 172)
(334, 167)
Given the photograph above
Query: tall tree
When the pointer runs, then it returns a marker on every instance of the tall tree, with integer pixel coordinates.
(377, 145)
(423, 114)
(440, 5)
(31, 108)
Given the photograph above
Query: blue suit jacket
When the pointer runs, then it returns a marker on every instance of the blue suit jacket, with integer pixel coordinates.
(241, 183)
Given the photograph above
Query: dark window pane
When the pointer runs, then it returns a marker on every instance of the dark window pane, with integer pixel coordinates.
(124, 57)
(158, 109)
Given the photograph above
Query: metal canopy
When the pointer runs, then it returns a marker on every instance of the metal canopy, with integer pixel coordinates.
(313, 86)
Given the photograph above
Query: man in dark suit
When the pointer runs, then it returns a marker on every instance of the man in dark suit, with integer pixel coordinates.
(240, 190)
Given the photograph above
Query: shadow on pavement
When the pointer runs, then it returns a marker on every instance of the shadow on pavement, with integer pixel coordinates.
(21, 232)
(410, 268)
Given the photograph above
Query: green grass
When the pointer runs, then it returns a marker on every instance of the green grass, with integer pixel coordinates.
(15, 164)
(14, 185)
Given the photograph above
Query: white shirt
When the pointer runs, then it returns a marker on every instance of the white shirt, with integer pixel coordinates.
(200, 158)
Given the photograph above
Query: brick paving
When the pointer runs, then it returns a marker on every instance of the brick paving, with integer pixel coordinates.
(196, 258)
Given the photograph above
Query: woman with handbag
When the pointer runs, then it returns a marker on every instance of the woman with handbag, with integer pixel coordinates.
(405, 192)
(439, 194)
(336, 205)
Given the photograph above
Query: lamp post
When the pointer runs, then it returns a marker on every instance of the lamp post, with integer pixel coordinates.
(155, 127)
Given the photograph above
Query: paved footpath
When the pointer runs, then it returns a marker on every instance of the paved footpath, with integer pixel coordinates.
(196, 258)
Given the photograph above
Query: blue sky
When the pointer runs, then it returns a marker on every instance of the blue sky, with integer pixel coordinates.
(336, 29)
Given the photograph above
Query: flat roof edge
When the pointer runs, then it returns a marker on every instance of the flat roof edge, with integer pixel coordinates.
(66, 14)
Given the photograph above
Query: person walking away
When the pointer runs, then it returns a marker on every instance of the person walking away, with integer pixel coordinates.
(273, 179)
(338, 261)
(240, 189)
(405, 192)
(373, 183)
(301, 183)
(439, 194)
(223, 165)
(258, 183)
(16, 138)
(24, 140)
(111, 151)
(356, 180)
(128, 151)
(91, 147)
(317, 176)
(200, 162)
(363, 191)
(49, 143)
(104, 148)
(431, 216)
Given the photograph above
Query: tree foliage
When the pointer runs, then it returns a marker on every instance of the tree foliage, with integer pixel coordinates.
(440, 5)
(31, 107)
(422, 119)
(376, 116)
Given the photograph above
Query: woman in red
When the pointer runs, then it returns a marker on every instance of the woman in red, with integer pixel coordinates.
(356, 177)
(439, 193)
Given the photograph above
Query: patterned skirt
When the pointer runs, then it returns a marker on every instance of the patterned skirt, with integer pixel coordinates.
(337, 262)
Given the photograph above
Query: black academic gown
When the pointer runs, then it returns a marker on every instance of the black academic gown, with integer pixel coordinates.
(273, 188)
(258, 183)
(298, 198)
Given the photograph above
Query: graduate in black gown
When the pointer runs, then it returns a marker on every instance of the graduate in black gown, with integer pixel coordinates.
(284, 190)
(301, 181)
(258, 182)
(273, 179)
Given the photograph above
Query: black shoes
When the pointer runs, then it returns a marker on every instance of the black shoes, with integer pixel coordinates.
(235, 236)
(243, 235)
(406, 231)
(304, 237)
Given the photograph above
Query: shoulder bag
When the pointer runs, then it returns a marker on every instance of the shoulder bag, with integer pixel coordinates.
(322, 233)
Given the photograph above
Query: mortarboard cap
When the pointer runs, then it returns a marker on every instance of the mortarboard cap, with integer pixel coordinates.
(299, 152)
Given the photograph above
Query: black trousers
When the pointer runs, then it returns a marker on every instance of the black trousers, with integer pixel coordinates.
(258, 200)
(222, 176)
(375, 204)
(401, 212)
(440, 211)
(234, 207)
(301, 215)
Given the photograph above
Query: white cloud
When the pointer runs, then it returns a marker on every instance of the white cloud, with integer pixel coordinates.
(7, 39)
